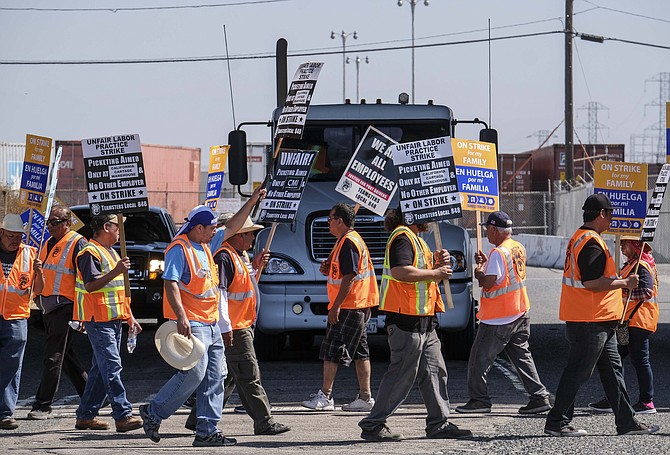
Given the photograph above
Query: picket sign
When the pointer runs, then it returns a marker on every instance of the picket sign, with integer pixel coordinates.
(650, 221)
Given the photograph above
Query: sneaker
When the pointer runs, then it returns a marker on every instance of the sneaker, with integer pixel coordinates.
(644, 408)
(382, 434)
(359, 405)
(536, 405)
(568, 431)
(128, 423)
(91, 424)
(39, 414)
(149, 425)
(273, 429)
(449, 431)
(239, 410)
(642, 429)
(601, 406)
(474, 407)
(213, 440)
(8, 424)
(319, 402)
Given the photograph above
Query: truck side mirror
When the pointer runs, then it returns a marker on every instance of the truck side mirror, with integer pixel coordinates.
(489, 135)
(237, 158)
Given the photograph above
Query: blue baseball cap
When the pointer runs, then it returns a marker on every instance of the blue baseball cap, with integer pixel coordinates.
(498, 219)
(200, 214)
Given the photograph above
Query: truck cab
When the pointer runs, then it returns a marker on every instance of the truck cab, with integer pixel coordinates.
(293, 297)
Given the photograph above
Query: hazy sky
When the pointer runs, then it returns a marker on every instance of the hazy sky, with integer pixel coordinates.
(189, 103)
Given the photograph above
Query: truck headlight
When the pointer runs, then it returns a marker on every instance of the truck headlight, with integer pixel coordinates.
(282, 265)
(156, 268)
(458, 263)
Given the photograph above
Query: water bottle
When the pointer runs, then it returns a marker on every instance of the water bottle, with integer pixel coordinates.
(77, 326)
(132, 340)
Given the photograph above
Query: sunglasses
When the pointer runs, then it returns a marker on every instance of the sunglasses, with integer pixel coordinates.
(56, 221)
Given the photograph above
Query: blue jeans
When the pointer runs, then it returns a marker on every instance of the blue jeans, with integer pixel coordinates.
(13, 338)
(638, 348)
(592, 345)
(205, 378)
(104, 377)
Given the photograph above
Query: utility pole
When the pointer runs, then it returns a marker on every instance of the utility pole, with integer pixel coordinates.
(569, 144)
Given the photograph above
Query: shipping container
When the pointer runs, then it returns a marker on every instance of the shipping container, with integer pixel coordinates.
(515, 172)
(172, 175)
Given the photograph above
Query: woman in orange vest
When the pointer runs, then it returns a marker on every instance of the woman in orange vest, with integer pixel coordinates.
(21, 270)
(642, 313)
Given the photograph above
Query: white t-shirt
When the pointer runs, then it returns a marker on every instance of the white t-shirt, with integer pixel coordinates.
(496, 266)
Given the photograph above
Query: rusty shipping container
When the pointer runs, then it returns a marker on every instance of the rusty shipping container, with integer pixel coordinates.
(515, 172)
(549, 162)
(172, 174)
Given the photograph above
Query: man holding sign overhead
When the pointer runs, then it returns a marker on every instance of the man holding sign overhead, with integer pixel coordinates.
(409, 298)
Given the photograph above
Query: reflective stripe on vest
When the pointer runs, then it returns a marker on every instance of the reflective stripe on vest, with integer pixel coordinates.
(425, 295)
(107, 303)
(364, 292)
(59, 269)
(241, 292)
(15, 288)
(579, 304)
(200, 297)
(508, 298)
(646, 316)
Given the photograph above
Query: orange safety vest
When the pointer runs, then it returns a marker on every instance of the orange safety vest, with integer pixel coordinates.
(58, 267)
(646, 317)
(579, 304)
(508, 298)
(364, 292)
(200, 297)
(108, 303)
(241, 294)
(421, 298)
(15, 289)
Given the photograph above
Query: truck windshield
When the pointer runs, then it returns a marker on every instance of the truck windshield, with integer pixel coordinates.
(336, 144)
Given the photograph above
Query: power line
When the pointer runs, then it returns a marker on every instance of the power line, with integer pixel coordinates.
(299, 53)
(627, 12)
(141, 8)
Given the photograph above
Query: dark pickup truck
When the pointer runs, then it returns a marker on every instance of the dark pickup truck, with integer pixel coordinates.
(147, 235)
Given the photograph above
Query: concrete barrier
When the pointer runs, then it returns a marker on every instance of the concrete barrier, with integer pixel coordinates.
(542, 250)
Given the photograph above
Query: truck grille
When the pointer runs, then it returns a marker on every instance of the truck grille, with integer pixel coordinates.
(370, 227)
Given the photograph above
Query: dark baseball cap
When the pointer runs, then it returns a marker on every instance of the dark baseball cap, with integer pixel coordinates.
(498, 219)
(597, 202)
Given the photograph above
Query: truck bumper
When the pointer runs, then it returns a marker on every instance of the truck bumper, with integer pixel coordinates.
(304, 307)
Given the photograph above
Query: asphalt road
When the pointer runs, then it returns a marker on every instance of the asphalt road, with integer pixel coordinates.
(298, 374)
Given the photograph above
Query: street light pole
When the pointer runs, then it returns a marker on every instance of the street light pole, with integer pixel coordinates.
(344, 36)
(358, 61)
(412, 4)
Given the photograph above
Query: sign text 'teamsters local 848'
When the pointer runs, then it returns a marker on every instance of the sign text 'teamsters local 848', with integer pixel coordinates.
(115, 174)
(427, 180)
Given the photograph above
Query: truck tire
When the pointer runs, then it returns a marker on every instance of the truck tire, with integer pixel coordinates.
(301, 341)
(268, 347)
(457, 345)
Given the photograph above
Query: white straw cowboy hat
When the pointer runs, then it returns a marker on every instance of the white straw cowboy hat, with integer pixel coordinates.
(178, 351)
(249, 226)
(13, 223)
